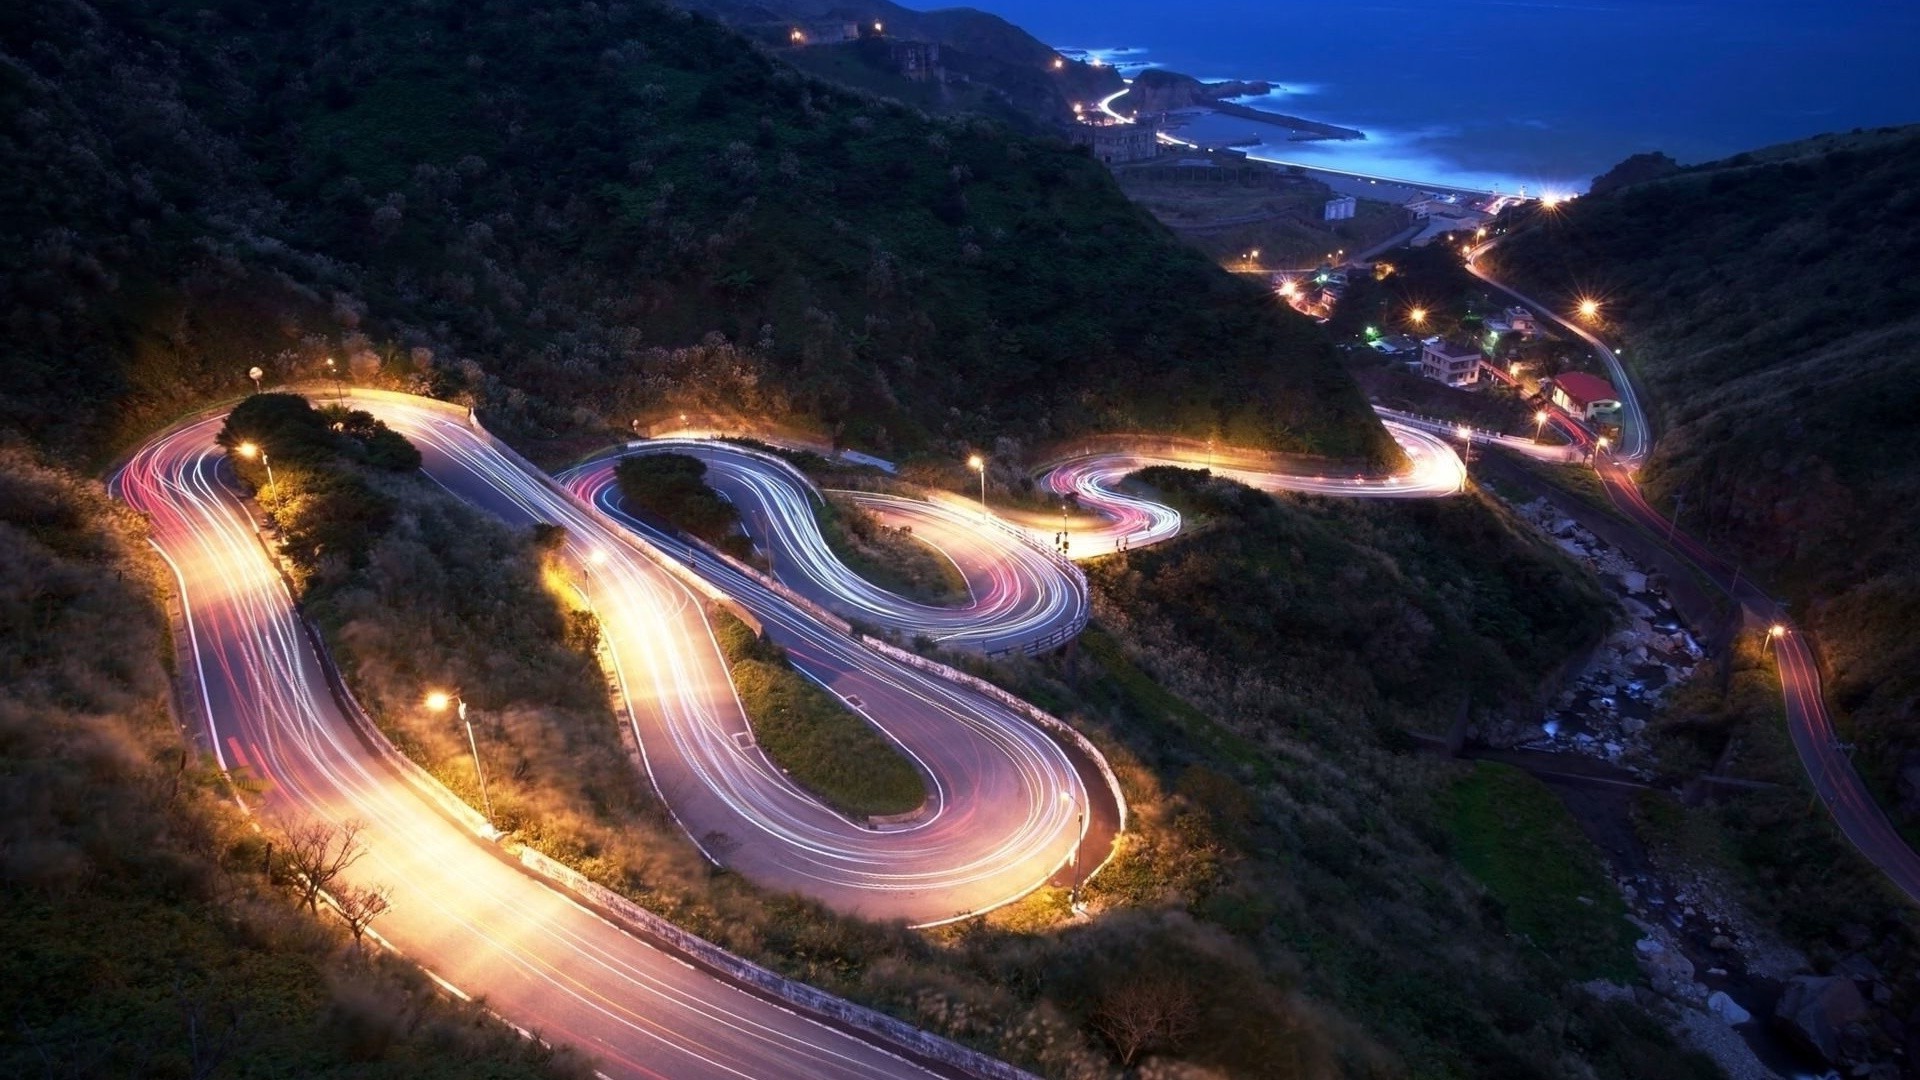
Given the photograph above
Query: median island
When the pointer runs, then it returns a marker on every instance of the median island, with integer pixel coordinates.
(892, 558)
(820, 742)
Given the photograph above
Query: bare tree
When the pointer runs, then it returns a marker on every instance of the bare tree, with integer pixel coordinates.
(360, 906)
(211, 1039)
(1143, 1014)
(319, 851)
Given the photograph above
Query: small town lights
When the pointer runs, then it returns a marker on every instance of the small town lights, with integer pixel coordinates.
(1058, 63)
(796, 36)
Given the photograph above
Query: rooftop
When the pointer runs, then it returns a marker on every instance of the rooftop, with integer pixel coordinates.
(1585, 388)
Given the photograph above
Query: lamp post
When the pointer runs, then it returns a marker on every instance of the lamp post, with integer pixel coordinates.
(1466, 441)
(1539, 424)
(339, 383)
(438, 702)
(1073, 854)
(250, 451)
(256, 375)
(979, 464)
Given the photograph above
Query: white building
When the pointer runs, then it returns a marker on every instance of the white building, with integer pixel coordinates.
(1445, 362)
(1340, 209)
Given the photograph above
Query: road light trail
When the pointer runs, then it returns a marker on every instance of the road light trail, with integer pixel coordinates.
(994, 827)
(1094, 480)
(1021, 594)
(467, 914)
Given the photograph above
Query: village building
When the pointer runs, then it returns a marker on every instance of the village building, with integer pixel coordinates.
(1447, 362)
(1584, 395)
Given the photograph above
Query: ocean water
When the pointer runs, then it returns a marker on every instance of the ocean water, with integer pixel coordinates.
(1532, 93)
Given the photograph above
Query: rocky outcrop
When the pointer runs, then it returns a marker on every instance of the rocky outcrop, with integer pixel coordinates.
(1821, 1013)
(1637, 169)
(1156, 90)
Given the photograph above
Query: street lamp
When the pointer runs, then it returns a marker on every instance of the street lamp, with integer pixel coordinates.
(1418, 315)
(1589, 308)
(1073, 854)
(1539, 424)
(339, 383)
(250, 451)
(979, 464)
(438, 701)
(1776, 632)
(1466, 439)
(256, 375)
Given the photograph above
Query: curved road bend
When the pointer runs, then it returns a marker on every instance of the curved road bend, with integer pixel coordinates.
(1858, 814)
(459, 908)
(1018, 592)
(1095, 480)
(1003, 815)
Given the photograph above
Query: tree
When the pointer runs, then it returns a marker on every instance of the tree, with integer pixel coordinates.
(319, 852)
(360, 906)
(1144, 1014)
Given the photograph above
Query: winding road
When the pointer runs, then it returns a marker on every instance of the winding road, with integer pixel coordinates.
(477, 921)
(1011, 806)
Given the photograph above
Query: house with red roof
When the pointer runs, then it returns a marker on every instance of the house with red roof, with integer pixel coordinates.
(1584, 395)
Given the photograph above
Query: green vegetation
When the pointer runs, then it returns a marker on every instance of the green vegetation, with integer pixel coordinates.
(138, 932)
(626, 211)
(1768, 304)
(670, 488)
(817, 739)
(890, 558)
(1256, 685)
(1516, 838)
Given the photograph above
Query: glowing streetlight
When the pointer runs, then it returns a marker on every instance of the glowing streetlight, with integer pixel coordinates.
(796, 36)
(877, 28)
(979, 464)
(1418, 315)
(1589, 308)
(1539, 424)
(1776, 631)
(256, 375)
(250, 451)
(1058, 63)
(1466, 442)
(437, 701)
(598, 556)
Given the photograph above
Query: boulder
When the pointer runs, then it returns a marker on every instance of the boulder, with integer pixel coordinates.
(1632, 580)
(1727, 1009)
(1669, 972)
(1814, 1010)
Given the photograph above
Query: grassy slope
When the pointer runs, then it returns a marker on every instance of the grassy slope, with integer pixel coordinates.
(820, 741)
(131, 899)
(1516, 837)
(1768, 303)
(573, 201)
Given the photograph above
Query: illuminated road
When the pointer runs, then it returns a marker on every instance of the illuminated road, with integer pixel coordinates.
(1131, 520)
(469, 915)
(1003, 814)
(1021, 595)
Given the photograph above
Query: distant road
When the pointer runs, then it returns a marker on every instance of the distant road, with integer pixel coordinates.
(1809, 723)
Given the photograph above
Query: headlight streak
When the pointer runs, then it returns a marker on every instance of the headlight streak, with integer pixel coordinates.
(476, 920)
(1134, 521)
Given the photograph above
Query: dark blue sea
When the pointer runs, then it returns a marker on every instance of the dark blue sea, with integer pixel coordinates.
(1524, 92)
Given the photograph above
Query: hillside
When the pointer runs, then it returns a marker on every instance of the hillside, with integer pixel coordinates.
(583, 217)
(1769, 304)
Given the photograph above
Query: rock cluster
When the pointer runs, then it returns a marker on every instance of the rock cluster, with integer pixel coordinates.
(1604, 711)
